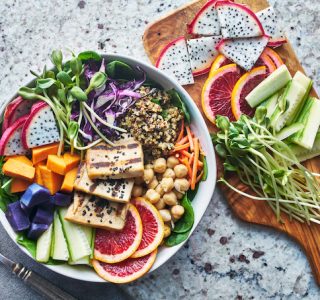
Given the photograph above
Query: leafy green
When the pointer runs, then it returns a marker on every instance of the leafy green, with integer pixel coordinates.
(186, 222)
(86, 55)
(119, 70)
(30, 245)
(176, 238)
(192, 193)
(205, 168)
(177, 102)
(156, 101)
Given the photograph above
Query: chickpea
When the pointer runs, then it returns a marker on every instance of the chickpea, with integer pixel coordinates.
(181, 171)
(160, 165)
(178, 195)
(138, 180)
(137, 191)
(167, 230)
(169, 173)
(159, 189)
(167, 184)
(148, 166)
(170, 198)
(160, 204)
(152, 196)
(148, 175)
(177, 211)
(153, 183)
(165, 214)
(181, 185)
(172, 162)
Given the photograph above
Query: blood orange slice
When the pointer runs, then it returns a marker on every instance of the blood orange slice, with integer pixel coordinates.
(265, 60)
(125, 271)
(219, 62)
(216, 92)
(115, 246)
(243, 87)
(152, 227)
(274, 56)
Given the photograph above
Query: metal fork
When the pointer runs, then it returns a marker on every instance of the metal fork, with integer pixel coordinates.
(42, 286)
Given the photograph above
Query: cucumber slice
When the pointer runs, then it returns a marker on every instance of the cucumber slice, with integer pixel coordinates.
(268, 87)
(304, 154)
(77, 242)
(310, 118)
(44, 246)
(85, 260)
(289, 131)
(293, 99)
(271, 104)
(60, 248)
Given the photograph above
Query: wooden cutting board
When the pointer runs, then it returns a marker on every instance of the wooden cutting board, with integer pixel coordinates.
(173, 25)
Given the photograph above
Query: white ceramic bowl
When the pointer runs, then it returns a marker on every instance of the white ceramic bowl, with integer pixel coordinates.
(199, 203)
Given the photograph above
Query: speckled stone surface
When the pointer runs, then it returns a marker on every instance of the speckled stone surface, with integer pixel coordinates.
(225, 258)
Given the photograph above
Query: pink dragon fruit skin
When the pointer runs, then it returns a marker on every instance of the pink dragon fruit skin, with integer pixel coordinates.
(40, 127)
(10, 143)
(14, 110)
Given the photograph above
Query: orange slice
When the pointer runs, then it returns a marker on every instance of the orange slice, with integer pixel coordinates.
(219, 62)
(274, 56)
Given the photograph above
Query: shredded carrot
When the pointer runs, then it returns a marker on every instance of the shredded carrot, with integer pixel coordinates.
(180, 136)
(186, 163)
(187, 154)
(182, 141)
(195, 163)
(189, 134)
(191, 159)
(181, 147)
(199, 176)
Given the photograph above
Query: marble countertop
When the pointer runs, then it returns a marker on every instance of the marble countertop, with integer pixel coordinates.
(224, 258)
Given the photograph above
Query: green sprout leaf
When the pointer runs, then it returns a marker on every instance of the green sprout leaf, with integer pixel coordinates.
(56, 58)
(87, 55)
(79, 94)
(97, 80)
(27, 93)
(119, 70)
(64, 78)
(45, 83)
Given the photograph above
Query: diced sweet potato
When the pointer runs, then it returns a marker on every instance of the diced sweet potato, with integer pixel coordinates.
(21, 158)
(17, 169)
(51, 180)
(71, 160)
(38, 178)
(41, 153)
(56, 164)
(19, 185)
(69, 179)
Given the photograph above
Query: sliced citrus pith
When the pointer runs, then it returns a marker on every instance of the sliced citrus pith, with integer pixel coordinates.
(265, 60)
(274, 56)
(152, 227)
(219, 62)
(125, 271)
(115, 246)
(243, 87)
(216, 92)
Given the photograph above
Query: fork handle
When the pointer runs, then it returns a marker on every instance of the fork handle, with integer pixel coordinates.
(41, 285)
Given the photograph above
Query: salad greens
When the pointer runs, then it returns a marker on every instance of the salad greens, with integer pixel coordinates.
(187, 220)
(268, 166)
(177, 101)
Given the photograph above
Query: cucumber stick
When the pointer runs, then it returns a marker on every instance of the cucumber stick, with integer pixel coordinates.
(268, 87)
(44, 246)
(304, 154)
(309, 116)
(59, 244)
(77, 241)
(271, 104)
(289, 131)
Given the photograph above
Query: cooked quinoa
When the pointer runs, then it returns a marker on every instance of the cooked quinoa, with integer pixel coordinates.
(155, 126)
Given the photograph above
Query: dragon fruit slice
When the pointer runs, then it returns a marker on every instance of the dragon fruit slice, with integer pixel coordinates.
(15, 109)
(40, 127)
(206, 21)
(244, 52)
(175, 61)
(202, 53)
(269, 21)
(237, 20)
(10, 143)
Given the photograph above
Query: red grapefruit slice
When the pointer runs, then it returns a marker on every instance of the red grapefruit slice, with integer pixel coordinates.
(115, 246)
(152, 227)
(219, 62)
(274, 56)
(125, 271)
(243, 87)
(216, 92)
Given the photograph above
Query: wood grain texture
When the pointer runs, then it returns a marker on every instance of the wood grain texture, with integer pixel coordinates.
(173, 25)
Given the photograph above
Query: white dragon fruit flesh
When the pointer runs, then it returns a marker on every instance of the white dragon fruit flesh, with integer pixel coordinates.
(206, 21)
(174, 60)
(202, 53)
(269, 21)
(40, 127)
(237, 20)
(244, 52)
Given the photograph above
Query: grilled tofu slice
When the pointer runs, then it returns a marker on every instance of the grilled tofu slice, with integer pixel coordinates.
(93, 211)
(123, 160)
(114, 190)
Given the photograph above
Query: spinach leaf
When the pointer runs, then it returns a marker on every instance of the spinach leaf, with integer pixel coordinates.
(164, 113)
(119, 70)
(87, 55)
(30, 245)
(192, 193)
(177, 102)
(156, 101)
(186, 222)
(176, 238)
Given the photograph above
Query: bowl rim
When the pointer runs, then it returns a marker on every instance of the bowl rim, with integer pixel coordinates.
(63, 269)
